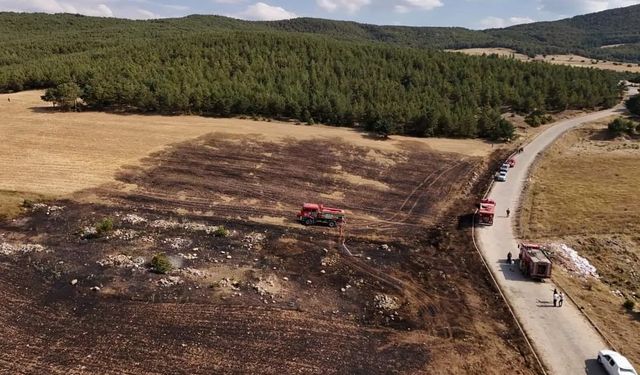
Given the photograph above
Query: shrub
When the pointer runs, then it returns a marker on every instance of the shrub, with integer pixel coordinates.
(104, 226)
(160, 263)
(221, 231)
(28, 203)
(537, 118)
(629, 304)
(621, 126)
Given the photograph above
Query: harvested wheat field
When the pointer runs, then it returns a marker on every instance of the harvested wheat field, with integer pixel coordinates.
(170, 244)
(583, 193)
(569, 60)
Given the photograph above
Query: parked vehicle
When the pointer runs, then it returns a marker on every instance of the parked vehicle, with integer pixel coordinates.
(511, 162)
(501, 176)
(314, 213)
(486, 211)
(615, 363)
(504, 167)
(533, 261)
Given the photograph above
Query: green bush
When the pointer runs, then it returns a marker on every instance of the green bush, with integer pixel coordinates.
(104, 226)
(629, 304)
(621, 126)
(537, 118)
(161, 264)
(221, 231)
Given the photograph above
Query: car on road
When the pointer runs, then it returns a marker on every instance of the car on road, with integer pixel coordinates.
(501, 176)
(615, 363)
(504, 167)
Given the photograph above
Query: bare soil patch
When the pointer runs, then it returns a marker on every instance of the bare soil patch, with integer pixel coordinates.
(583, 192)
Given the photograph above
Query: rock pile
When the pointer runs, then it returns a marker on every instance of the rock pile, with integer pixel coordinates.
(10, 249)
(122, 260)
(170, 281)
(386, 302)
(134, 219)
(178, 242)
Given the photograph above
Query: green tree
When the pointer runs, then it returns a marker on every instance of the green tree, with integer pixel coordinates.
(65, 95)
(633, 105)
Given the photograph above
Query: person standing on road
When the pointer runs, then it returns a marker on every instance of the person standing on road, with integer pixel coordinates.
(508, 212)
(560, 299)
(555, 297)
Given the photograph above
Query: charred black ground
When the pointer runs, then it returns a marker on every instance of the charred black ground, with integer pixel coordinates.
(271, 297)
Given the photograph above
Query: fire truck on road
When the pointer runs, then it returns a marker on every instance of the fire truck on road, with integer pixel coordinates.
(533, 261)
(486, 211)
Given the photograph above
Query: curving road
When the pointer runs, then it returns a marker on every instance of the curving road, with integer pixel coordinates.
(563, 338)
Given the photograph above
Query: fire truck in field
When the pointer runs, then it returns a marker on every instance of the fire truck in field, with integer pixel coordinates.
(486, 211)
(533, 261)
(314, 213)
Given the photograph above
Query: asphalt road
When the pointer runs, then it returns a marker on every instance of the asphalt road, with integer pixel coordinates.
(563, 338)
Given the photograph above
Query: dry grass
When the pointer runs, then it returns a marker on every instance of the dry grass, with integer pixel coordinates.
(570, 60)
(11, 201)
(583, 192)
(584, 186)
(57, 154)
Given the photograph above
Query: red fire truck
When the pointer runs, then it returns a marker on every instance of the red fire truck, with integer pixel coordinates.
(486, 211)
(533, 261)
(314, 213)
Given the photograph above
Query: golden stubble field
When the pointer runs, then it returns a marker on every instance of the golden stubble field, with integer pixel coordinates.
(52, 154)
(570, 60)
(583, 192)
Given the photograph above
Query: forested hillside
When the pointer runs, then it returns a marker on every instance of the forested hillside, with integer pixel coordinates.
(218, 66)
(583, 35)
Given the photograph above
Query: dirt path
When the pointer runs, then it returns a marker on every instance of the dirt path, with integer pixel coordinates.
(564, 339)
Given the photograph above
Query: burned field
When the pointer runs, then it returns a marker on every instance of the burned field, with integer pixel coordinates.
(250, 290)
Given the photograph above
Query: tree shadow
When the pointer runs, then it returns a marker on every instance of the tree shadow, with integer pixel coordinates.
(601, 135)
(375, 136)
(51, 109)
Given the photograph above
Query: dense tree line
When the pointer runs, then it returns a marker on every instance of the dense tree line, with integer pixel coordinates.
(149, 67)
